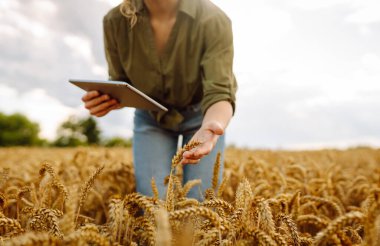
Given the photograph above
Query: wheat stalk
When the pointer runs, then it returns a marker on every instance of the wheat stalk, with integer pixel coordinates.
(85, 189)
(163, 235)
(215, 175)
(338, 224)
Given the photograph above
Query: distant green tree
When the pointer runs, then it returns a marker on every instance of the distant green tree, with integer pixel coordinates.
(90, 130)
(17, 129)
(69, 134)
(118, 142)
(76, 132)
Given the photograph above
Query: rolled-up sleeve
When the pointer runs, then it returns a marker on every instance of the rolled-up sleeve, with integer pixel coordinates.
(218, 80)
(115, 68)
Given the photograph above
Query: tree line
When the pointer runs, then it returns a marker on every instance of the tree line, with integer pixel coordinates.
(17, 130)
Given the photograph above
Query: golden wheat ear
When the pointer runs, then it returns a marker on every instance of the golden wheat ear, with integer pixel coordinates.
(170, 192)
(86, 188)
(178, 156)
(215, 174)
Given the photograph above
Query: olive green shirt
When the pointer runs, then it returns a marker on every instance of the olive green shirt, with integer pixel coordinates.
(195, 66)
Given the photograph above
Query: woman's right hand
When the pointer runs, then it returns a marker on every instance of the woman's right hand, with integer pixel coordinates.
(99, 104)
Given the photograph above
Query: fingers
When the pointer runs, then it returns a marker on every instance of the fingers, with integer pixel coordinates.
(189, 161)
(90, 95)
(107, 110)
(104, 107)
(195, 155)
(199, 152)
(208, 135)
(99, 105)
(192, 155)
(95, 101)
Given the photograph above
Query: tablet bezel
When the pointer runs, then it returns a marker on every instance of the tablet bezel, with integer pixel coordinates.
(126, 94)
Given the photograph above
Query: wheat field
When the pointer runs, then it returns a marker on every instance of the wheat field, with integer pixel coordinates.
(85, 196)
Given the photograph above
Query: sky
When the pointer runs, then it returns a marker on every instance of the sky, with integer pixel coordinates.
(308, 70)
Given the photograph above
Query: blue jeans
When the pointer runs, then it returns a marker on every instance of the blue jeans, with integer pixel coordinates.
(154, 148)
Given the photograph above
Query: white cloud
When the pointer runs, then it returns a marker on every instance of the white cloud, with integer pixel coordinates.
(371, 62)
(316, 4)
(366, 11)
(6, 4)
(8, 31)
(38, 106)
(362, 11)
(258, 28)
(112, 2)
(338, 144)
(49, 112)
(12, 19)
(45, 6)
(80, 46)
(306, 78)
(309, 106)
(117, 123)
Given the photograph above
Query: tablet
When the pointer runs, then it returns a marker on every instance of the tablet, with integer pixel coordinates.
(127, 95)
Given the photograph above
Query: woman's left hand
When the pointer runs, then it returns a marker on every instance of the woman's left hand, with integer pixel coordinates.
(208, 135)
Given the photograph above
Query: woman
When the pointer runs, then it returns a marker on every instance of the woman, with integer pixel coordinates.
(180, 53)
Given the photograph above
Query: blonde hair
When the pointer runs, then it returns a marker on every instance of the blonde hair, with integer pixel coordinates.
(128, 9)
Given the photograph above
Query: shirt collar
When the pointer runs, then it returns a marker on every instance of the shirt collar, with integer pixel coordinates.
(186, 6)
